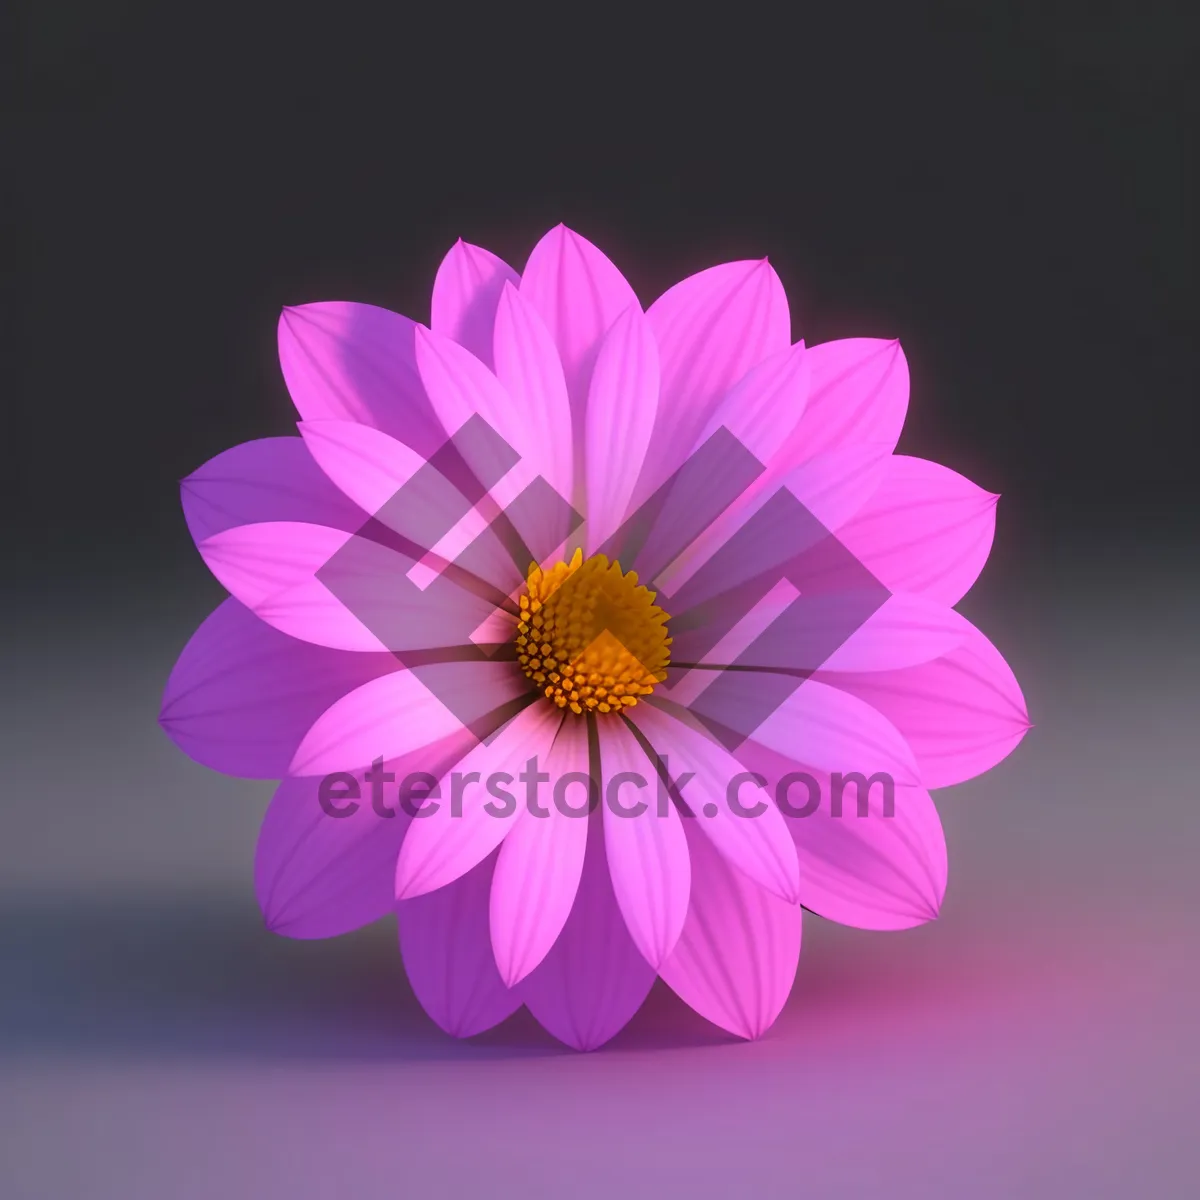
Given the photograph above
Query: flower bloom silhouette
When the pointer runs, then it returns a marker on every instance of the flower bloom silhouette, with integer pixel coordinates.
(436, 581)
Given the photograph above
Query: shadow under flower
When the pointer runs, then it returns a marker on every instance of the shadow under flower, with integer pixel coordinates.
(134, 975)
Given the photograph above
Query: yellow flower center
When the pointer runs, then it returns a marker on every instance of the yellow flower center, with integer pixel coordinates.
(590, 636)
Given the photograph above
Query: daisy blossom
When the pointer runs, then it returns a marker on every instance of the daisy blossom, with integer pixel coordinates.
(542, 536)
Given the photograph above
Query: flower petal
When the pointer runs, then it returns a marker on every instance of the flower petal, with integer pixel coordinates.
(255, 562)
(272, 479)
(258, 563)
(466, 291)
(766, 404)
(594, 978)
(579, 294)
(903, 631)
(962, 713)
(356, 362)
(859, 393)
(412, 498)
(870, 855)
(827, 728)
(364, 463)
(528, 366)
(827, 488)
(335, 589)
(926, 529)
(460, 388)
(448, 955)
(647, 851)
(622, 401)
(811, 633)
(711, 328)
(540, 863)
(318, 874)
(736, 960)
(834, 484)
(386, 716)
(453, 837)
(758, 844)
(242, 695)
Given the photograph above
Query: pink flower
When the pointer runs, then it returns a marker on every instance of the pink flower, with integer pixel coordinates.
(301, 675)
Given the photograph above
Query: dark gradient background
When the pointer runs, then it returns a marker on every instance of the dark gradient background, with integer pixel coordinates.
(1012, 194)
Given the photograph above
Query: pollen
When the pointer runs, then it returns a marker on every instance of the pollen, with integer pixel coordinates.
(590, 636)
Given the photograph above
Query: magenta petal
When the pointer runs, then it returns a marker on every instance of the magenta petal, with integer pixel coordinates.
(537, 873)
(830, 729)
(961, 714)
(272, 568)
(528, 366)
(831, 486)
(272, 479)
(242, 695)
(759, 845)
(766, 404)
(448, 842)
(711, 329)
(926, 529)
(335, 589)
(363, 463)
(318, 875)
(858, 393)
(447, 952)
(736, 959)
(647, 852)
(392, 482)
(767, 410)
(594, 979)
(903, 631)
(579, 294)
(460, 387)
(356, 362)
(466, 291)
(396, 712)
(760, 411)
(622, 401)
(879, 868)
(834, 484)
(874, 872)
